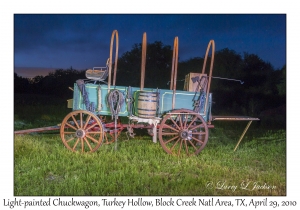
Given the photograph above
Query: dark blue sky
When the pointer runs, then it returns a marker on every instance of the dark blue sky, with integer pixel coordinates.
(82, 41)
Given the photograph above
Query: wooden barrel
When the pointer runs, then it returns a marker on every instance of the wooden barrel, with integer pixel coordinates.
(147, 104)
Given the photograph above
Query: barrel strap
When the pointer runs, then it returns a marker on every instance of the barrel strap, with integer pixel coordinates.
(147, 100)
(146, 109)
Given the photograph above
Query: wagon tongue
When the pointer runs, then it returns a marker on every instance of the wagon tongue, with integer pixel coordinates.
(34, 130)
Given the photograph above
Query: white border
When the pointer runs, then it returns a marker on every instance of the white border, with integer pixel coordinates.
(9, 8)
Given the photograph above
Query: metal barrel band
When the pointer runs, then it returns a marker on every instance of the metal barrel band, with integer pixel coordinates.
(146, 109)
(147, 100)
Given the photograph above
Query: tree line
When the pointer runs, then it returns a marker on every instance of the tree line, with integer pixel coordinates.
(263, 86)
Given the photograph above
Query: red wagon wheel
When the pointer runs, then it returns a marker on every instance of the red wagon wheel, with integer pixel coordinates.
(183, 131)
(109, 129)
(81, 131)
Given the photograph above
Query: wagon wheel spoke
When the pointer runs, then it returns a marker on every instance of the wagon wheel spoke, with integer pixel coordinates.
(198, 126)
(87, 142)
(87, 121)
(193, 145)
(175, 144)
(71, 126)
(197, 140)
(110, 137)
(90, 136)
(75, 144)
(199, 133)
(193, 120)
(179, 150)
(70, 132)
(71, 139)
(94, 132)
(81, 121)
(189, 134)
(186, 148)
(180, 122)
(174, 123)
(92, 126)
(74, 120)
(82, 145)
(168, 134)
(109, 131)
(185, 121)
(172, 139)
(170, 127)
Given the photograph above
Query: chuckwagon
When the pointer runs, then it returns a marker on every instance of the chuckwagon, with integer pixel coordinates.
(180, 119)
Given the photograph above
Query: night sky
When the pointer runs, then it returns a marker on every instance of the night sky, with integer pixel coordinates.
(50, 41)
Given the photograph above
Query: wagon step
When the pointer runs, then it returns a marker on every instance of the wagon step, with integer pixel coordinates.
(33, 130)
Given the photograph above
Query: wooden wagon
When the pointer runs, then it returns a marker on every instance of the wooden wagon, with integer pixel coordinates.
(180, 119)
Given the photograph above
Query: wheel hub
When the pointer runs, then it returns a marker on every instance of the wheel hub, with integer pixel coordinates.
(80, 133)
(185, 134)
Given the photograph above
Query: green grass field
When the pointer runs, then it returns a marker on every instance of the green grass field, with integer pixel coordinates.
(44, 167)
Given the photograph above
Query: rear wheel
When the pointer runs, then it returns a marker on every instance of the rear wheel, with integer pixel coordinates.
(183, 131)
(81, 131)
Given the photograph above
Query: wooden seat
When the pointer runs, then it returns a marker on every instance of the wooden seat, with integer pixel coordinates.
(98, 73)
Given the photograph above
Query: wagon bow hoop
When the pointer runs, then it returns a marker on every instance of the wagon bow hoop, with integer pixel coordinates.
(143, 62)
(211, 44)
(114, 34)
(174, 71)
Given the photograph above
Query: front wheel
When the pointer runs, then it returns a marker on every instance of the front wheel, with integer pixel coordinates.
(183, 131)
(81, 131)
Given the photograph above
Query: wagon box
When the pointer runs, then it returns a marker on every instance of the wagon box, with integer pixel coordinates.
(163, 100)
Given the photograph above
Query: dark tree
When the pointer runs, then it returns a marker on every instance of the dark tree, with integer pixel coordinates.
(158, 66)
(281, 86)
(58, 82)
(21, 85)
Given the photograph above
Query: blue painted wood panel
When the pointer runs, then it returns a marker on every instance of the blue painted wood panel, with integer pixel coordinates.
(183, 99)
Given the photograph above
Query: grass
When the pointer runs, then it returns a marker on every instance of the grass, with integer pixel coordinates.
(141, 167)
